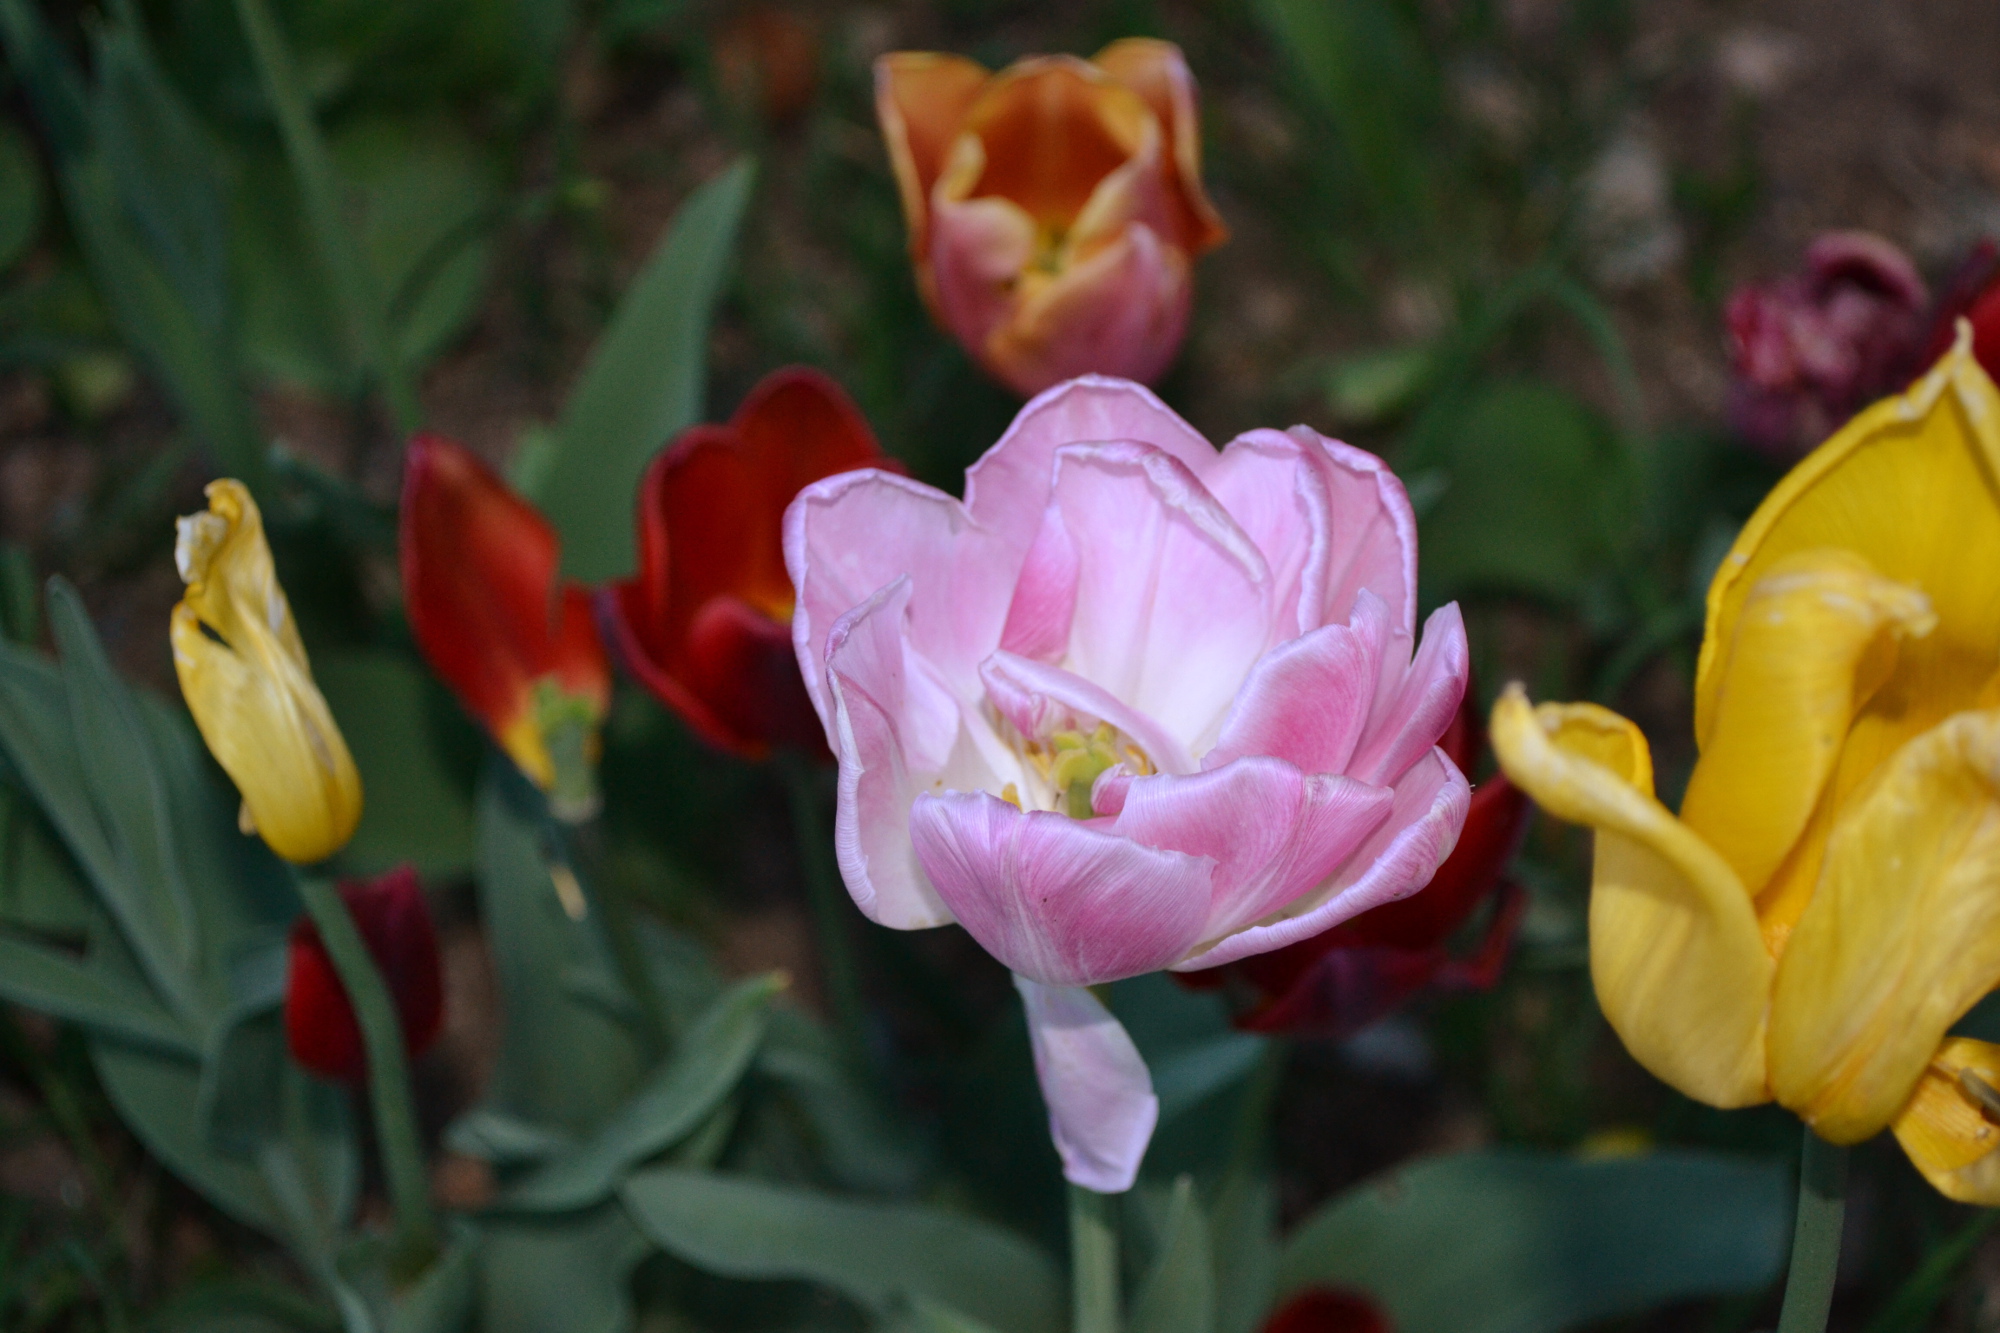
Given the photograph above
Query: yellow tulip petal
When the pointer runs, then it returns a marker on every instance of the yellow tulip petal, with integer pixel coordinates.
(1946, 1134)
(1901, 937)
(1814, 638)
(244, 675)
(1911, 486)
(1675, 953)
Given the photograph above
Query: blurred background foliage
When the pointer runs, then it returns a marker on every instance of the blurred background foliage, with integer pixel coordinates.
(1488, 239)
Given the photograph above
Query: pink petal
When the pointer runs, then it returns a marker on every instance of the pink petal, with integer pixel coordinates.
(1277, 490)
(1422, 706)
(1102, 1110)
(880, 725)
(1044, 604)
(1008, 488)
(978, 249)
(1307, 701)
(1171, 596)
(1038, 699)
(1273, 832)
(1396, 860)
(851, 535)
(1053, 898)
(1122, 311)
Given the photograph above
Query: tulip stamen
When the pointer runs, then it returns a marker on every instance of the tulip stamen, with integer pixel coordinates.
(1981, 1094)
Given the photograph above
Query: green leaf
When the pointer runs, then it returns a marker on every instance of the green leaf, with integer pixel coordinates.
(56, 984)
(1533, 478)
(711, 1059)
(418, 760)
(927, 1316)
(502, 1139)
(881, 1255)
(861, 1147)
(1518, 1242)
(572, 1273)
(566, 1060)
(41, 890)
(1178, 1295)
(442, 1300)
(1244, 1236)
(21, 202)
(643, 383)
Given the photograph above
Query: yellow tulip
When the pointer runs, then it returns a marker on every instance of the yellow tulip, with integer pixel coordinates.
(1827, 903)
(245, 677)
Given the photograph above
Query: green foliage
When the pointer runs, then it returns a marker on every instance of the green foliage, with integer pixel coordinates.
(1513, 1242)
(643, 383)
(21, 195)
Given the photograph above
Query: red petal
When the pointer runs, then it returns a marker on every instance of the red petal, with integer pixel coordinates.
(712, 562)
(395, 923)
(479, 580)
(1329, 1310)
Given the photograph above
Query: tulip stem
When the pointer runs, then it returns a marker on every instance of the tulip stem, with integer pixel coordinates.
(1093, 1261)
(1815, 1236)
(388, 1069)
(830, 904)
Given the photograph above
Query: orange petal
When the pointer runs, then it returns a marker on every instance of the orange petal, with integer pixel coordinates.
(1052, 128)
(1158, 72)
(921, 98)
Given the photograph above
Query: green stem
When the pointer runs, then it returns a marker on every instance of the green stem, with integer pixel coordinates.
(1093, 1261)
(388, 1067)
(578, 848)
(831, 907)
(1253, 1116)
(353, 282)
(1815, 1237)
(1913, 1302)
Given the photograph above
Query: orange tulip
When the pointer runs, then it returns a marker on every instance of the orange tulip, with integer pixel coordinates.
(1054, 208)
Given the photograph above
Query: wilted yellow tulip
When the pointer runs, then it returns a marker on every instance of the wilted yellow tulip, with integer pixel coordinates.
(244, 675)
(1827, 904)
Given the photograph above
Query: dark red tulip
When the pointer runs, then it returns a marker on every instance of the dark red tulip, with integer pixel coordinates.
(395, 924)
(706, 624)
(518, 646)
(1329, 1310)
(1813, 348)
(1974, 294)
(1343, 979)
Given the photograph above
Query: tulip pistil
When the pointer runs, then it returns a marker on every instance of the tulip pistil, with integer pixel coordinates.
(1072, 761)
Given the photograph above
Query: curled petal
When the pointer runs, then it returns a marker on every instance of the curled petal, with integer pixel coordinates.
(1675, 952)
(1901, 937)
(1102, 1110)
(1947, 1131)
(1039, 699)
(1158, 72)
(1053, 898)
(1408, 723)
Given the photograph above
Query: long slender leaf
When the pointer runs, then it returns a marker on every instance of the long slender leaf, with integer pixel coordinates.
(574, 1273)
(1178, 1295)
(713, 1056)
(55, 984)
(882, 1255)
(643, 383)
(1517, 1242)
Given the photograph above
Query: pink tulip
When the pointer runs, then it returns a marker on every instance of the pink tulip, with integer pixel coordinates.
(1133, 704)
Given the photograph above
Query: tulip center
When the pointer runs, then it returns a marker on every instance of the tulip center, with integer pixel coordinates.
(1070, 762)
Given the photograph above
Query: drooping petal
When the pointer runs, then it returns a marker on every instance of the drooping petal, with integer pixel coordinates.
(850, 536)
(921, 98)
(244, 675)
(890, 733)
(1675, 952)
(1102, 1110)
(1901, 937)
(1946, 1132)
(1396, 860)
(1007, 490)
(1408, 723)
(1909, 485)
(1814, 639)
(1158, 72)
(1053, 898)
(1171, 616)
(1273, 832)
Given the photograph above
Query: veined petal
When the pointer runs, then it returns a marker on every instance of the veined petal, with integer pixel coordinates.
(1039, 699)
(1901, 937)
(1675, 953)
(1815, 637)
(1409, 722)
(1910, 486)
(1055, 899)
(1100, 1096)
(1946, 1132)
(1306, 701)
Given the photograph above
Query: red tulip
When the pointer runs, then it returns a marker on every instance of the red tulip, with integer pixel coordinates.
(1341, 980)
(1974, 294)
(518, 647)
(1328, 1310)
(707, 623)
(395, 924)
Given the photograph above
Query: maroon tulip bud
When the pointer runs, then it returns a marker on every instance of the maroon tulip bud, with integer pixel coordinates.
(1329, 1310)
(395, 924)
